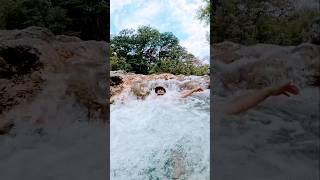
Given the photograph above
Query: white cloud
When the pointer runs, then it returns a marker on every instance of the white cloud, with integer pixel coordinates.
(185, 14)
(181, 14)
(144, 16)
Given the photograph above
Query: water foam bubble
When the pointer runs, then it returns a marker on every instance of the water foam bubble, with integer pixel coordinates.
(145, 134)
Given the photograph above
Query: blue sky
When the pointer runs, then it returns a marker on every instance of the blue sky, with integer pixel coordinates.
(176, 16)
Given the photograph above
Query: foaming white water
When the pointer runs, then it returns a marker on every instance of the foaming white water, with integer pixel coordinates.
(146, 134)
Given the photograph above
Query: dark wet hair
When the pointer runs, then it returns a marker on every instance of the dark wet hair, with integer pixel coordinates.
(158, 88)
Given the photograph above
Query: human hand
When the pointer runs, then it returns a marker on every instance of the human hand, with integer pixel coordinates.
(286, 89)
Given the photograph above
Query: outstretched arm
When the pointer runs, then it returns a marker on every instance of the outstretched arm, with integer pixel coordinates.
(189, 93)
(249, 101)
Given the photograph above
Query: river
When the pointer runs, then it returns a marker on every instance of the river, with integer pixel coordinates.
(147, 135)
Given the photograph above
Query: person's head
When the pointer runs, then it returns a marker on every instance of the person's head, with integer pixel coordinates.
(159, 90)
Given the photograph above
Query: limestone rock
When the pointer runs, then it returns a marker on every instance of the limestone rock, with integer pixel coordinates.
(37, 67)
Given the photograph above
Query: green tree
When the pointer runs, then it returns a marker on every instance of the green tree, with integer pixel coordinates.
(119, 64)
(58, 21)
(258, 21)
(179, 67)
(86, 19)
(89, 17)
(146, 46)
(146, 50)
(204, 13)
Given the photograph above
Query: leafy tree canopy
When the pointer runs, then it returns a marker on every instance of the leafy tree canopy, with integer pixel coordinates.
(258, 21)
(146, 50)
(86, 19)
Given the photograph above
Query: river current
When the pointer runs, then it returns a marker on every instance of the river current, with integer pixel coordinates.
(147, 134)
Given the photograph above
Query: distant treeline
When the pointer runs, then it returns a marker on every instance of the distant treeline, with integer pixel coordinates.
(259, 21)
(147, 51)
(87, 19)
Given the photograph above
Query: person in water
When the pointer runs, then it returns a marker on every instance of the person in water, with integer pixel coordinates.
(233, 107)
(243, 103)
(160, 91)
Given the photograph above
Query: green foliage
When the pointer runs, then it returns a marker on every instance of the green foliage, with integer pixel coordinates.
(58, 21)
(205, 11)
(86, 19)
(258, 21)
(200, 70)
(204, 14)
(119, 64)
(179, 67)
(294, 31)
(146, 51)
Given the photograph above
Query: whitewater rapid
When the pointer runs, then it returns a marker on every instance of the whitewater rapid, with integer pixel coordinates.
(146, 133)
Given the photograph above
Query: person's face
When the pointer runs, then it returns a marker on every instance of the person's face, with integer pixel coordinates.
(160, 92)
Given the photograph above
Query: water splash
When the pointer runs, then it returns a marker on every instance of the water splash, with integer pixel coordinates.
(146, 133)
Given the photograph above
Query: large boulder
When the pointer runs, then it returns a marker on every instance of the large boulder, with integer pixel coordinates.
(37, 66)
